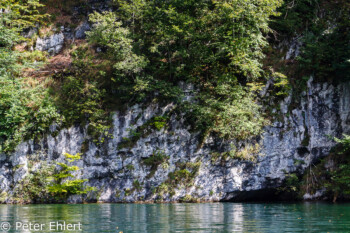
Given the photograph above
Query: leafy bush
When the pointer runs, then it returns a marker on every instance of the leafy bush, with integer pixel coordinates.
(291, 183)
(157, 158)
(109, 33)
(25, 112)
(338, 182)
(148, 48)
(323, 29)
(33, 188)
(155, 123)
(182, 176)
(156, 44)
(80, 95)
(158, 122)
(332, 173)
(343, 144)
(232, 113)
(18, 14)
(296, 15)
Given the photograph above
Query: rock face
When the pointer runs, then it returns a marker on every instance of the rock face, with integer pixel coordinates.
(81, 29)
(52, 44)
(121, 174)
(294, 48)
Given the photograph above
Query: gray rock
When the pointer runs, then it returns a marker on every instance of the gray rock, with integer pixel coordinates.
(75, 199)
(52, 44)
(29, 32)
(294, 48)
(318, 195)
(81, 29)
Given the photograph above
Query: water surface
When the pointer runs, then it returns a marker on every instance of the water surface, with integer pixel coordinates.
(207, 217)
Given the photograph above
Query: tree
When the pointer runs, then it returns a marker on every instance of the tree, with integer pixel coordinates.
(216, 45)
(25, 112)
(21, 14)
(64, 185)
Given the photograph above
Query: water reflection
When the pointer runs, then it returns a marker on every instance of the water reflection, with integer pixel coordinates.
(209, 217)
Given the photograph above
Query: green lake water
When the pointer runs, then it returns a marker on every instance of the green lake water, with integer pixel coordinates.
(206, 217)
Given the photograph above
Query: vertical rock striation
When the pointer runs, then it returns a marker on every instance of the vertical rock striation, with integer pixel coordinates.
(121, 175)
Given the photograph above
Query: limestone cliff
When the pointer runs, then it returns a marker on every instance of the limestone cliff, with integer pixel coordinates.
(190, 170)
(287, 146)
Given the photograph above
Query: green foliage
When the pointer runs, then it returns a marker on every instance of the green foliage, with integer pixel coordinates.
(16, 15)
(343, 144)
(80, 100)
(327, 54)
(296, 16)
(137, 186)
(80, 96)
(33, 188)
(291, 184)
(71, 158)
(155, 123)
(158, 122)
(64, 185)
(45, 184)
(128, 191)
(248, 152)
(231, 32)
(148, 48)
(3, 197)
(282, 86)
(338, 182)
(109, 33)
(189, 199)
(182, 176)
(332, 173)
(25, 112)
(327, 47)
(157, 158)
(130, 167)
(232, 113)
(216, 45)
(323, 26)
(21, 14)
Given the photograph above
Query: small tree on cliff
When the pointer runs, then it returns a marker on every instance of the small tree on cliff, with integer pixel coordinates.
(63, 185)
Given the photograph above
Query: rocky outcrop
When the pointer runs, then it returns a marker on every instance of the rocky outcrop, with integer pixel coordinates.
(290, 145)
(294, 46)
(52, 44)
(81, 29)
(318, 195)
